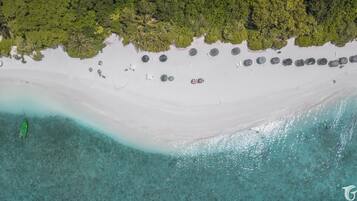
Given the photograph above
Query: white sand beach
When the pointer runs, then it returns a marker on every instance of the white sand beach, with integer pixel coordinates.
(165, 116)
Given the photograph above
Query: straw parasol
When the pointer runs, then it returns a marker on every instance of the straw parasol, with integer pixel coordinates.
(353, 59)
(192, 52)
(322, 61)
(334, 63)
(287, 62)
(145, 58)
(164, 78)
(214, 52)
(310, 61)
(299, 63)
(247, 62)
(343, 60)
(163, 58)
(275, 60)
(261, 60)
(235, 51)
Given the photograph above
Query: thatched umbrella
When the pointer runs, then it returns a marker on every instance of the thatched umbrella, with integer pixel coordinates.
(171, 78)
(261, 60)
(334, 63)
(343, 60)
(310, 61)
(193, 81)
(192, 52)
(287, 62)
(275, 60)
(99, 72)
(322, 61)
(164, 78)
(247, 62)
(235, 51)
(214, 52)
(145, 58)
(299, 63)
(353, 59)
(163, 58)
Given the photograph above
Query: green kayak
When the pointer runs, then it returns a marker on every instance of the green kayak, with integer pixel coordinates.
(24, 128)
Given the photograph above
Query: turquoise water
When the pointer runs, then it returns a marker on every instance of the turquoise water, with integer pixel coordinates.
(310, 157)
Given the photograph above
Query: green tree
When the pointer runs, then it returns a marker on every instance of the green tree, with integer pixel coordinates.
(82, 25)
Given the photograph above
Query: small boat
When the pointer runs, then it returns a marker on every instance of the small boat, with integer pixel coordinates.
(24, 128)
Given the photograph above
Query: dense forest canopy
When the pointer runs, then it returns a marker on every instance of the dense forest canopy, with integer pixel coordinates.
(82, 25)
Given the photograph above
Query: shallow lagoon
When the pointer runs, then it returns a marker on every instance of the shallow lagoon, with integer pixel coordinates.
(310, 157)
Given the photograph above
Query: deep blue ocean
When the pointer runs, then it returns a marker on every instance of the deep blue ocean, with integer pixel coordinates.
(309, 157)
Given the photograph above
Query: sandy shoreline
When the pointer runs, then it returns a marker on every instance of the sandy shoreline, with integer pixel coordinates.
(166, 116)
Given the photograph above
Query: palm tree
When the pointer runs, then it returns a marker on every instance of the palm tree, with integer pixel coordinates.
(82, 46)
(79, 42)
